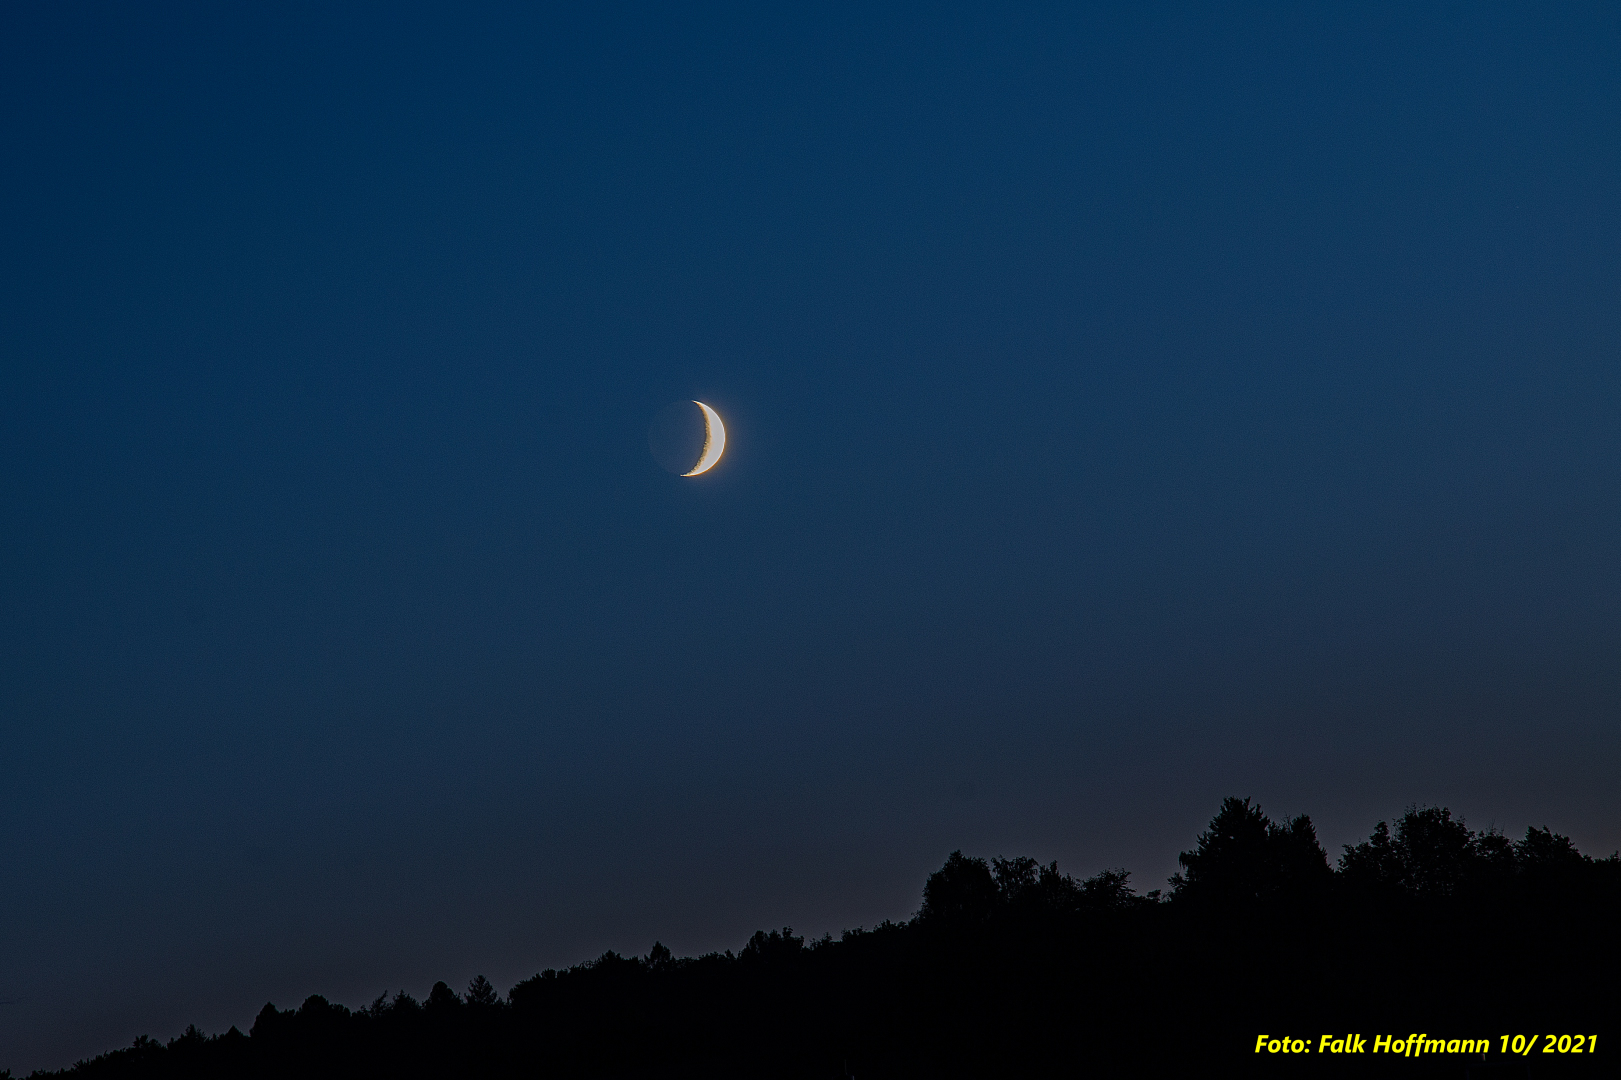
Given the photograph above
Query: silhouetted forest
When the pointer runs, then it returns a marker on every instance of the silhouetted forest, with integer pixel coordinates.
(1014, 968)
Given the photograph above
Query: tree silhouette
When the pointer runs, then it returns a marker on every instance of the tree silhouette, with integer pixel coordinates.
(1432, 856)
(961, 893)
(1244, 859)
(481, 995)
(773, 948)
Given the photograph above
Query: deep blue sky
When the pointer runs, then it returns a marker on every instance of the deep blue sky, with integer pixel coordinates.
(1126, 411)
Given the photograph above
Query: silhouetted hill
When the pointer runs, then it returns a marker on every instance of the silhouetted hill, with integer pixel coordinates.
(1012, 968)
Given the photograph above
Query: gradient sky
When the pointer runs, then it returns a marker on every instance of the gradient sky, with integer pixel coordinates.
(1125, 411)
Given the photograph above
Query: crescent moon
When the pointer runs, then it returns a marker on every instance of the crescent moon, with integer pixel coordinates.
(714, 441)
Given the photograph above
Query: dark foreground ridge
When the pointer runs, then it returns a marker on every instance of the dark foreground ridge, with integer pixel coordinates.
(1011, 968)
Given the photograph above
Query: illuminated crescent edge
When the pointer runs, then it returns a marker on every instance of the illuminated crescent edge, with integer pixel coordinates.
(714, 441)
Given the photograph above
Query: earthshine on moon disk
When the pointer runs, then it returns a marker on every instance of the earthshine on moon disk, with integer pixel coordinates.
(687, 438)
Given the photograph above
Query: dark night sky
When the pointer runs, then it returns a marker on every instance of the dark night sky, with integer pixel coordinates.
(1125, 412)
